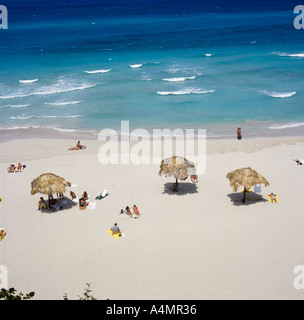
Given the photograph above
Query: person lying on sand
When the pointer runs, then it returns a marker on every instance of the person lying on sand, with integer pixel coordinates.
(273, 197)
(298, 162)
(128, 212)
(115, 229)
(11, 168)
(136, 211)
(19, 167)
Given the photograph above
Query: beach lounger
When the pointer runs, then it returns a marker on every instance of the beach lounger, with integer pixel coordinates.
(103, 194)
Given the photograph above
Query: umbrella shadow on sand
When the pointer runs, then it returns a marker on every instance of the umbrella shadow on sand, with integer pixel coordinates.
(252, 198)
(184, 188)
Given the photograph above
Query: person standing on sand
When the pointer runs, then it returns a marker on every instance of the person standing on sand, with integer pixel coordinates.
(239, 133)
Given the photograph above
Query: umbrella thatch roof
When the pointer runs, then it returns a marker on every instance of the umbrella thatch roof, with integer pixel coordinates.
(49, 183)
(177, 167)
(245, 177)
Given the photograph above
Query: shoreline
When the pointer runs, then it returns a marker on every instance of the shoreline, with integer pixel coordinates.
(8, 134)
(36, 144)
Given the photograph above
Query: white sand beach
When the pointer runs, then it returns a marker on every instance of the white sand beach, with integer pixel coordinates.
(195, 244)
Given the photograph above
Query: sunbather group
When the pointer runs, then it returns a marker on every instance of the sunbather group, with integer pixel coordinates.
(12, 168)
(132, 211)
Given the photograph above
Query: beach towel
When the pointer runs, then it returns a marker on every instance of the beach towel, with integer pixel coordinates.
(276, 197)
(116, 235)
(92, 205)
(103, 194)
(76, 200)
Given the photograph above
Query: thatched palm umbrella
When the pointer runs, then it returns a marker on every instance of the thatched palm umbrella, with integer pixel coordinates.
(247, 178)
(178, 167)
(49, 184)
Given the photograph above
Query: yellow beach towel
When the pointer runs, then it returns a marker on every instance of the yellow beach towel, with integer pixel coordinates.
(4, 233)
(276, 197)
(116, 235)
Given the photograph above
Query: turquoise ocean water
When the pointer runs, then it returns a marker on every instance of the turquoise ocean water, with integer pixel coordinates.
(80, 65)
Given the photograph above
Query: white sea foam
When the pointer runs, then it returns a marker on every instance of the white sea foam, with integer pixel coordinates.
(287, 125)
(28, 81)
(208, 54)
(62, 103)
(295, 55)
(32, 116)
(135, 66)
(61, 86)
(16, 106)
(180, 79)
(275, 94)
(184, 92)
(146, 78)
(98, 71)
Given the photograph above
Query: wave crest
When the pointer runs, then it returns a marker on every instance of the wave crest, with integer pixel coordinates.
(275, 94)
(184, 92)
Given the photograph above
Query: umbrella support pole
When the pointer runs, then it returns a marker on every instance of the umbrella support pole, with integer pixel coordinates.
(176, 186)
(244, 195)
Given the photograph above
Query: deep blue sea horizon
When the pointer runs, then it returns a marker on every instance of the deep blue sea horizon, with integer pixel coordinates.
(88, 65)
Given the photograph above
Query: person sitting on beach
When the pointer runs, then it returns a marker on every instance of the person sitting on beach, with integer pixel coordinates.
(41, 204)
(128, 212)
(83, 203)
(80, 146)
(273, 197)
(85, 196)
(11, 168)
(115, 229)
(73, 195)
(194, 178)
(298, 162)
(136, 211)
